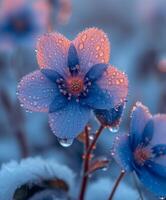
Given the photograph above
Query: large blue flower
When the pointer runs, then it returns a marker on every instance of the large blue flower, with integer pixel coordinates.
(74, 79)
(143, 150)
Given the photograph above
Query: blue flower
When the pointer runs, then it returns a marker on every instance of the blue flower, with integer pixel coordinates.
(21, 22)
(74, 79)
(143, 150)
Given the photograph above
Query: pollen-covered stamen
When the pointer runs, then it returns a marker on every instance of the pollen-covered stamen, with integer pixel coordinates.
(141, 155)
(62, 86)
(75, 85)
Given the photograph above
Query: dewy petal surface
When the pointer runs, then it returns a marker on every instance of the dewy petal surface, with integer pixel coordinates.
(114, 84)
(70, 121)
(97, 98)
(52, 52)
(147, 133)
(93, 47)
(121, 151)
(139, 117)
(152, 182)
(157, 169)
(159, 135)
(36, 92)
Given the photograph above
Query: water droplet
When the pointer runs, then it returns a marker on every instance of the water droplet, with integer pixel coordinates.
(112, 153)
(91, 137)
(105, 168)
(28, 111)
(84, 37)
(162, 198)
(81, 46)
(101, 54)
(114, 129)
(65, 142)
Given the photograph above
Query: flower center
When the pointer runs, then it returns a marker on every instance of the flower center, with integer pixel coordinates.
(75, 85)
(141, 155)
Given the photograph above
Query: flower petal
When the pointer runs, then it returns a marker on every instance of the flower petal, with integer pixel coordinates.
(159, 135)
(156, 168)
(93, 47)
(36, 92)
(110, 117)
(147, 133)
(159, 150)
(152, 182)
(52, 52)
(139, 117)
(96, 72)
(97, 98)
(70, 121)
(114, 85)
(52, 75)
(121, 152)
(73, 60)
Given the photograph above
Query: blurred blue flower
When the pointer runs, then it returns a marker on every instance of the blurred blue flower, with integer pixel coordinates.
(74, 79)
(43, 177)
(143, 150)
(21, 22)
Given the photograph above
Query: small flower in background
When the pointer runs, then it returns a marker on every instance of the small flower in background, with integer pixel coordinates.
(61, 11)
(110, 118)
(65, 11)
(35, 179)
(21, 22)
(143, 150)
(74, 79)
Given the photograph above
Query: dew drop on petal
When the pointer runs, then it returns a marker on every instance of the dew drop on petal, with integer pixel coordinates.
(65, 142)
(114, 129)
(81, 46)
(28, 111)
(105, 168)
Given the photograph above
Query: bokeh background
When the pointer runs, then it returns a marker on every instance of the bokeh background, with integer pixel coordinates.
(137, 32)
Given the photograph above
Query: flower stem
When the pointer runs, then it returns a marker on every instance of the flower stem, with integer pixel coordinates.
(87, 159)
(86, 138)
(116, 184)
(137, 186)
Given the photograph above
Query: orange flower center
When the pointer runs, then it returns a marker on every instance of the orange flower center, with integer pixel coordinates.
(75, 85)
(141, 155)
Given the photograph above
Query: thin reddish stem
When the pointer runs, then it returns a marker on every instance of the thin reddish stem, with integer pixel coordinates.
(86, 162)
(116, 185)
(86, 139)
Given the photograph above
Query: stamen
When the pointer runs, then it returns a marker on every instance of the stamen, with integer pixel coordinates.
(75, 85)
(141, 155)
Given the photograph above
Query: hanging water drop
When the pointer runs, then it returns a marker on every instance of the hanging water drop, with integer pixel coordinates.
(114, 129)
(105, 168)
(65, 142)
(162, 198)
(91, 137)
